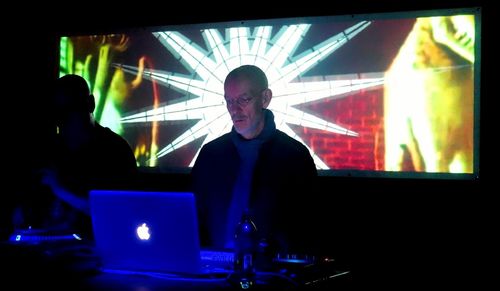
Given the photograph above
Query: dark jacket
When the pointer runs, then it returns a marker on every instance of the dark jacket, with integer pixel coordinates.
(106, 162)
(281, 196)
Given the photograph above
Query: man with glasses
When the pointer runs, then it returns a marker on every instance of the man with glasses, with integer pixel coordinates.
(254, 169)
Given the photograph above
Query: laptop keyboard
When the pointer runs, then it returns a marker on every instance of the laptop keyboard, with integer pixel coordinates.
(217, 256)
(217, 259)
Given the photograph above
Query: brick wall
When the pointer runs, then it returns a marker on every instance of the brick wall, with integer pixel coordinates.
(361, 112)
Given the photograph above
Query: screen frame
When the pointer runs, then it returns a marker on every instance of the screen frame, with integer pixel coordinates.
(476, 11)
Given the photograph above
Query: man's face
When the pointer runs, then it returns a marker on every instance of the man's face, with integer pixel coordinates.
(245, 105)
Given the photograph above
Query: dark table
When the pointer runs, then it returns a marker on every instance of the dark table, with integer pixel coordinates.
(73, 265)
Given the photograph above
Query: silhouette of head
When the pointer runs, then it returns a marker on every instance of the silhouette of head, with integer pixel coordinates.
(72, 99)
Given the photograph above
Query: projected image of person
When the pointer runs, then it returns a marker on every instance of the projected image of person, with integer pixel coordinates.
(255, 168)
(429, 113)
(84, 155)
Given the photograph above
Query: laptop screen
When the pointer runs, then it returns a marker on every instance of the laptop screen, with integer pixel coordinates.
(146, 231)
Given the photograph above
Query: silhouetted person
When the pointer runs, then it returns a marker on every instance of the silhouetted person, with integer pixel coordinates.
(255, 168)
(85, 156)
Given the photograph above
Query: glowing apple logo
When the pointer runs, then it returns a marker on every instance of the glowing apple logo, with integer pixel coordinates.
(143, 232)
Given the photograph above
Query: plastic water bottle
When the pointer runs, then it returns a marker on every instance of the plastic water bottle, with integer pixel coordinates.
(245, 241)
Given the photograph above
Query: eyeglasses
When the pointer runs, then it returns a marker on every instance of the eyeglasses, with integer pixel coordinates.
(241, 101)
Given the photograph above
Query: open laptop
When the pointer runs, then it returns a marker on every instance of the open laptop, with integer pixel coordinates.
(146, 231)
